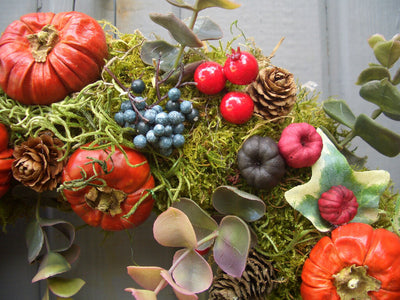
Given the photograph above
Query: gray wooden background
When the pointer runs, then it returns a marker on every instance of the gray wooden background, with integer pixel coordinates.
(325, 42)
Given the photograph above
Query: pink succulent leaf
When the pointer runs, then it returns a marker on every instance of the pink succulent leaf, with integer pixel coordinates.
(232, 245)
(177, 289)
(332, 169)
(172, 228)
(142, 294)
(192, 271)
(147, 277)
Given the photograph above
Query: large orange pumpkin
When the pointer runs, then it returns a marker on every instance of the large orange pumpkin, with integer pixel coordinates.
(46, 56)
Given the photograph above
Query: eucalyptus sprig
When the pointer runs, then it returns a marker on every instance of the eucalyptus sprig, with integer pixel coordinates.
(378, 86)
(189, 227)
(190, 33)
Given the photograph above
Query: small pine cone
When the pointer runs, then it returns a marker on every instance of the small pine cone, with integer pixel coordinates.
(36, 162)
(273, 92)
(256, 282)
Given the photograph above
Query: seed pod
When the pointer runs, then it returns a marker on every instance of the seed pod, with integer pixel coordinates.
(338, 205)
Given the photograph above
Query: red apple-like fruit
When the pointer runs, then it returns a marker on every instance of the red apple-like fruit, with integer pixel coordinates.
(237, 107)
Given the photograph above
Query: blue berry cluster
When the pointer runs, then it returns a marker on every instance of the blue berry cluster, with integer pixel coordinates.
(161, 128)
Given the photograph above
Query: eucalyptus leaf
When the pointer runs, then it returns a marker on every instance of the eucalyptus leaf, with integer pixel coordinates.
(52, 264)
(382, 93)
(206, 29)
(153, 51)
(172, 228)
(64, 227)
(332, 169)
(379, 137)
(65, 287)
(387, 53)
(180, 3)
(373, 73)
(376, 38)
(230, 200)
(339, 111)
(193, 273)
(34, 240)
(142, 294)
(232, 246)
(202, 223)
(147, 277)
(226, 4)
(178, 29)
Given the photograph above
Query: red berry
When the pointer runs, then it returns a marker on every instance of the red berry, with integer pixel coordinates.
(241, 67)
(210, 78)
(237, 107)
(300, 145)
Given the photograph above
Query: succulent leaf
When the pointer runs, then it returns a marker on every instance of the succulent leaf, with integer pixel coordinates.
(387, 53)
(333, 169)
(140, 294)
(180, 3)
(226, 4)
(52, 264)
(147, 277)
(373, 73)
(34, 240)
(65, 287)
(339, 111)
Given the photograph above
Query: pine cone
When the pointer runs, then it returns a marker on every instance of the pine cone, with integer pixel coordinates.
(256, 281)
(273, 92)
(36, 162)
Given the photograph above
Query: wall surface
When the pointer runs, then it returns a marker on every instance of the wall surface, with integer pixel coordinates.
(325, 42)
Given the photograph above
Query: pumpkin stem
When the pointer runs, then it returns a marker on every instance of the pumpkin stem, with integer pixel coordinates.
(42, 42)
(353, 282)
(105, 199)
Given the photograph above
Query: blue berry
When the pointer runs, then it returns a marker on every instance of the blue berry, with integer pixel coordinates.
(138, 86)
(166, 152)
(186, 107)
(165, 142)
(129, 116)
(169, 130)
(142, 127)
(151, 136)
(175, 117)
(140, 103)
(172, 105)
(179, 128)
(119, 118)
(174, 94)
(150, 115)
(193, 116)
(140, 141)
(126, 105)
(157, 108)
(159, 129)
(178, 140)
(162, 118)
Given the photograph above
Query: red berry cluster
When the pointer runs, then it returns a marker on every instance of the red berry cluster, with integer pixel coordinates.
(240, 68)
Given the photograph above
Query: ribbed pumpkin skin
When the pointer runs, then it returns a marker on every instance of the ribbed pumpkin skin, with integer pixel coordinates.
(75, 60)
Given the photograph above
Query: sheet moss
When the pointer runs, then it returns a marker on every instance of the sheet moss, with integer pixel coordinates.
(207, 160)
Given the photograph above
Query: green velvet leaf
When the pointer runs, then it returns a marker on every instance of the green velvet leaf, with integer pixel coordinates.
(178, 29)
(193, 273)
(226, 4)
(34, 240)
(332, 169)
(202, 223)
(382, 93)
(206, 29)
(339, 111)
(387, 53)
(65, 287)
(142, 294)
(232, 245)
(373, 73)
(153, 51)
(229, 200)
(52, 264)
(172, 228)
(147, 277)
(377, 136)
(180, 3)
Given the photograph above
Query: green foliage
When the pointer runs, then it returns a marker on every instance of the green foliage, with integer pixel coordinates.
(379, 88)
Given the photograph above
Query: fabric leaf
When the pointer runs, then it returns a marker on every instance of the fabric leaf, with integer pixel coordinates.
(333, 169)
